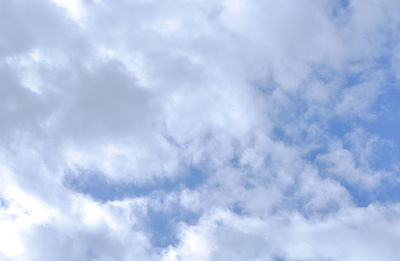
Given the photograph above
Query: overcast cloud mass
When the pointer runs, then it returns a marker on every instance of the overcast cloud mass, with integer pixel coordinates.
(199, 130)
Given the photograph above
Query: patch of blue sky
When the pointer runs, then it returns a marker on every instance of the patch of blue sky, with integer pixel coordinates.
(385, 110)
(387, 122)
(338, 7)
(388, 191)
(344, 3)
(90, 255)
(101, 188)
(238, 209)
(385, 125)
(3, 203)
(163, 224)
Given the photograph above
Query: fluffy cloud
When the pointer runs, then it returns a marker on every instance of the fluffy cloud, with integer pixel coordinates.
(202, 130)
(351, 234)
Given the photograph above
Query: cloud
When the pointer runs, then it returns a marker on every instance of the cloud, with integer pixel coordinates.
(350, 234)
(202, 130)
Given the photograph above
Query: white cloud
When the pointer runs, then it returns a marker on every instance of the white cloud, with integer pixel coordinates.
(352, 234)
(150, 94)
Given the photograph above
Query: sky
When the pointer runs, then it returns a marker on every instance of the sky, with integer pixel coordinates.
(201, 130)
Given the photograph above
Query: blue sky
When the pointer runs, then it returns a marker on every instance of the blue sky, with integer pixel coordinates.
(199, 130)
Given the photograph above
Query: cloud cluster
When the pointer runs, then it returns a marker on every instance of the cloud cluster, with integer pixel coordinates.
(198, 130)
